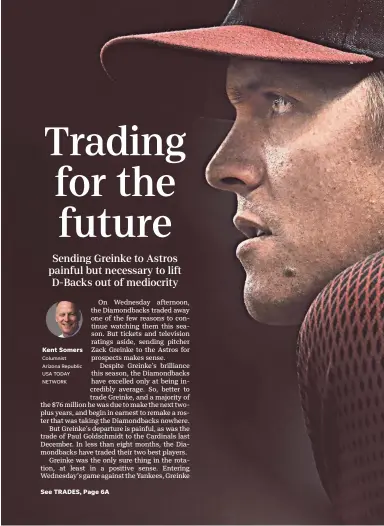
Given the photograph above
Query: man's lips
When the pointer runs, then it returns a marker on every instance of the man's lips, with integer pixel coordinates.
(251, 227)
(257, 232)
(67, 325)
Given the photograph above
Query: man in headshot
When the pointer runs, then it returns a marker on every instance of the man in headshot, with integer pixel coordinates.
(67, 318)
(305, 158)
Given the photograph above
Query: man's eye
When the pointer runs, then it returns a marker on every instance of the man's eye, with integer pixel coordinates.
(279, 104)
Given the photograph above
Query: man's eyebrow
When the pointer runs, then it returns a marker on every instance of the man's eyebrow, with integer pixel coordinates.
(242, 87)
(237, 91)
(254, 85)
(277, 82)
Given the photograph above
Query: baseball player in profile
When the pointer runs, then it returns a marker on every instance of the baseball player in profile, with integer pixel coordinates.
(305, 158)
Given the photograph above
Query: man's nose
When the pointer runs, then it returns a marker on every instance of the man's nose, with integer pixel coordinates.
(237, 166)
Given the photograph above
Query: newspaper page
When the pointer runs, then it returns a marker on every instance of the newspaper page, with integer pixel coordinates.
(173, 205)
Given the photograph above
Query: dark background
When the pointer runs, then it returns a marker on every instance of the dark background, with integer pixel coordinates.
(251, 460)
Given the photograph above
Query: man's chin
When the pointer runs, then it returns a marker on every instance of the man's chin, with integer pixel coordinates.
(271, 309)
(68, 332)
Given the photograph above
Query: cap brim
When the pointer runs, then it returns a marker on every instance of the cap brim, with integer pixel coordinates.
(237, 41)
(186, 70)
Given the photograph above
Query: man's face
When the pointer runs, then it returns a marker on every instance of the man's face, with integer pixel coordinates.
(309, 184)
(67, 318)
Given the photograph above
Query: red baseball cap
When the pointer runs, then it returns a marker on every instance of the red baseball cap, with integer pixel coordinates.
(320, 31)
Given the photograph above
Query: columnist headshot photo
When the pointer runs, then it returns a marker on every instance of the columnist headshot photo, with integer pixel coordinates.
(305, 160)
(64, 319)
